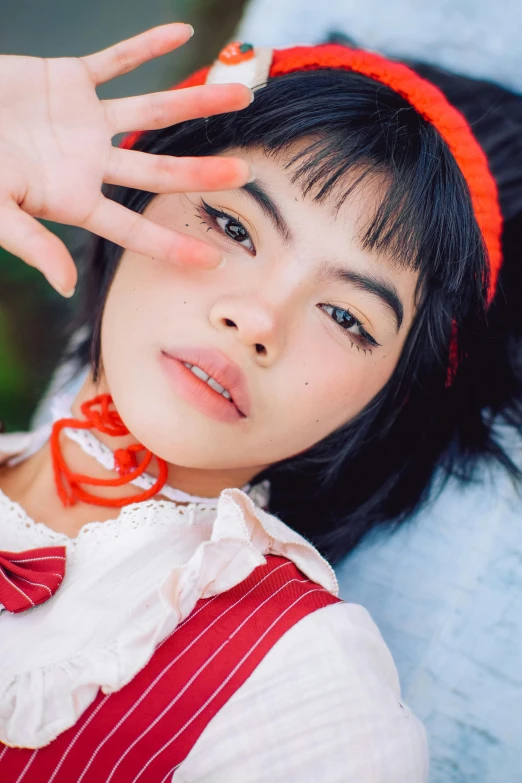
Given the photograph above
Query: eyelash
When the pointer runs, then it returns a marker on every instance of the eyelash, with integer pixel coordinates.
(215, 214)
(362, 341)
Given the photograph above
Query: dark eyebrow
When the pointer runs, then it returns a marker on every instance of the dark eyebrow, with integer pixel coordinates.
(373, 284)
(259, 194)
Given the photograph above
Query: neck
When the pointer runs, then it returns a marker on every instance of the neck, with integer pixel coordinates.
(31, 483)
(193, 481)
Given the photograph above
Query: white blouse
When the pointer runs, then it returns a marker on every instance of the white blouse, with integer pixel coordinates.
(323, 705)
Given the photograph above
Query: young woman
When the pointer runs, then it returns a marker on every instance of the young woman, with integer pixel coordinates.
(319, 366)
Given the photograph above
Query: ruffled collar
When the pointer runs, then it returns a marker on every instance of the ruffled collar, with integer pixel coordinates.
(129, 583)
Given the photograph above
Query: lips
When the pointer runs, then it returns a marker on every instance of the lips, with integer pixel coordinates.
(218, 366)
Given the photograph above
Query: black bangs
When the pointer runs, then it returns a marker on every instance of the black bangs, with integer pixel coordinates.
(406, 183)
(357, 132)
(370, 135)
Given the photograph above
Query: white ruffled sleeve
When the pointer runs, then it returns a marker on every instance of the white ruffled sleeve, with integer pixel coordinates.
(322, 707)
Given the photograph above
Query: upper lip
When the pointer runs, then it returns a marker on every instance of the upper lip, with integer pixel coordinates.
(221, 368)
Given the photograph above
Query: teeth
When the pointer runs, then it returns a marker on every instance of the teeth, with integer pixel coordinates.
(215, 385)
(200, 373)
(208, 380)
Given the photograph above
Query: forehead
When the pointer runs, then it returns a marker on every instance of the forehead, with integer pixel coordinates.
(292, 185)
(327, 233)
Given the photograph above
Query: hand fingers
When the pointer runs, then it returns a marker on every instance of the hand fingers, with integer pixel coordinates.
(161, 109)
(140, 235)
(127, 55)
(23, 236)
(167, 174)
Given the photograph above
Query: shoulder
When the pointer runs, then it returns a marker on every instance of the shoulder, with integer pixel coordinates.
(17, 445)
(14, 443)
(324, 704)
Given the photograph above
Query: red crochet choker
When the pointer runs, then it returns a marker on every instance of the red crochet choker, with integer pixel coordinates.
(99, 416)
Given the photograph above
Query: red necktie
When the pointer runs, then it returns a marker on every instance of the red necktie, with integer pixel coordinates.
(30, 578)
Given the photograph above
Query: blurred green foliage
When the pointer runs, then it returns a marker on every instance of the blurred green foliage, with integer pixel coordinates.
(33, 317)
(33, 320)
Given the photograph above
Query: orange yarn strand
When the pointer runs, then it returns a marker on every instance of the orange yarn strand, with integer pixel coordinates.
(99, 416)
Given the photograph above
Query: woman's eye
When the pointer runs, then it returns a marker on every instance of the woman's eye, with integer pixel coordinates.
(231, 227)
(349, 324)
(235, 230)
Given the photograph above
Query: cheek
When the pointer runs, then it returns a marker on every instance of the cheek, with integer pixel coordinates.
(138, 313)
(331, 385)
(146, 298)
(132, 308)
(149, 306)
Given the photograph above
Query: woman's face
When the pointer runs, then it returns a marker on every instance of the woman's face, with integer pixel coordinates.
(304, 324)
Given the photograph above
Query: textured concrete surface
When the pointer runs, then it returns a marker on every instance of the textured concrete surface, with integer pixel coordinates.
(446, 592)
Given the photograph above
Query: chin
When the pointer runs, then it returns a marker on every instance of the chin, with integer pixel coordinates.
(169, 432)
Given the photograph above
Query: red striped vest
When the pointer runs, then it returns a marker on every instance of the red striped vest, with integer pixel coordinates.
(144, 731)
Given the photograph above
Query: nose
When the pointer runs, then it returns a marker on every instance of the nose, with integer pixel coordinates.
(253, 322)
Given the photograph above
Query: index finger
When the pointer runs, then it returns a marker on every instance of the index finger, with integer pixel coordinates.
(139, 234)
(127, 55)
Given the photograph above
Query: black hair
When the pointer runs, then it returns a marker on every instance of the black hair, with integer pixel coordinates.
(376, 470)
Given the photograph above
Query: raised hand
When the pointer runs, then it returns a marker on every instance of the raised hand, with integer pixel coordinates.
(56, 151)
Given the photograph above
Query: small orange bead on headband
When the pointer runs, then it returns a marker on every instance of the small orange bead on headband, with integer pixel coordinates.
(242, 63)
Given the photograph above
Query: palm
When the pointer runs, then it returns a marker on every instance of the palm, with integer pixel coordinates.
(56, 152)
(54, 138)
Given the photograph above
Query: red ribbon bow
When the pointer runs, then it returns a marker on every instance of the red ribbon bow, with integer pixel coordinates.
(30, 578)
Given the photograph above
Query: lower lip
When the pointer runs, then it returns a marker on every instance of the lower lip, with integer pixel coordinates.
(198, 393)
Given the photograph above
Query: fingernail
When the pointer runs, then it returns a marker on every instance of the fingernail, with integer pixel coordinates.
(62, 291)
(191, 30)
(252, 96)
(253, 176)
(222, 263)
